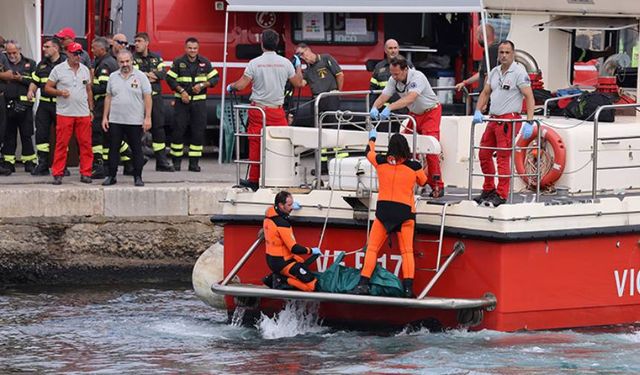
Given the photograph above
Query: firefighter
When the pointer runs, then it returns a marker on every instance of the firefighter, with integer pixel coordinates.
(283, 252)
(190, 76)
(268, 74)
(103, 65)
(395, 210)
(493, 59)
(507, 85)
(66, 36)
(46, 112)
(152, 66)
(5, 75)
(19, 109)
(417, 95)
(323, 74)
(118, 43)
(381, 73)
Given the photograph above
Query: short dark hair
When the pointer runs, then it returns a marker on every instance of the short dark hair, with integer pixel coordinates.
(102, 42)
(399, 147)
(302, 45)
(55, 41)
(399, 61)
(270, 40)
(281, 197)
(506, 41)
(142, 35)
(191, 40)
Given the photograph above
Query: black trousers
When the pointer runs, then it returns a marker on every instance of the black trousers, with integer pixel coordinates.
(191, 117)
(19, 122)
(45, 116)
(133, 134)
(3, 117)
(158, 134)
(98, 136)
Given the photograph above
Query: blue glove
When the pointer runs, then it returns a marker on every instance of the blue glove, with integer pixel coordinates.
(374, 113)
(477, 117)
(296, 61)
(527, 130)
(230, 88)
(386, 112)
(373, 133)
(316, 251)
(296, 206)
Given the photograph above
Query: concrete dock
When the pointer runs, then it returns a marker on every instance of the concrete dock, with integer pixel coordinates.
(79, 232)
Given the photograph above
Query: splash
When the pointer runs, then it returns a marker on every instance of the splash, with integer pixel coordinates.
(238, 316)
(297, 318)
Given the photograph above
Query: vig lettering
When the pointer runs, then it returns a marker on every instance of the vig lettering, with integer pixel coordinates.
(627, 281)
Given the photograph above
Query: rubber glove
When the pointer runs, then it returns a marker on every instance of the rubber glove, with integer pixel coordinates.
(296, 61)
(386, 112)
(296, 206)
(316, 251)
(373, 134)
(527, 130)
(477, 117)
(230, 88)
(374, 113)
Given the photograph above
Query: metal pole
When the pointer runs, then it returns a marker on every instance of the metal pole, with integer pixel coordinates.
(224, 87)
(237, 138)
(472, 149)
(263, 151)
(594, 172)
(316, 124)
(511, 163)
(244, 258)
(458, 248)
(538, 174)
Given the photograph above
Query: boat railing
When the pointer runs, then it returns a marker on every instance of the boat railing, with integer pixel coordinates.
(597, 138)
(514, 147)
(239, 134)
(557, 98)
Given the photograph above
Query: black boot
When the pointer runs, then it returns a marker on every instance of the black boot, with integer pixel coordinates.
(97, 170)
(10, 166)
(29, 166)
(42, 169)
(176, 163)
(193, 165)
(4, 171)
(162, 162)
(407, 286)
(362, 288)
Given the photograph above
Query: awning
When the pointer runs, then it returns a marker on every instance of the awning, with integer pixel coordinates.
(608, 8)
(589, 23)
(356, 6)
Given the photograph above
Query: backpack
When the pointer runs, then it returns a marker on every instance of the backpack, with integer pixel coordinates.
(584, 107)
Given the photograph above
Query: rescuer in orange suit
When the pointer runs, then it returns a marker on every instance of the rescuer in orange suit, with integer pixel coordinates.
(283, 253)
(395, 210)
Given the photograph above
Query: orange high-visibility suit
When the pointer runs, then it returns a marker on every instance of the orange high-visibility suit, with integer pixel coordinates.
(395, 210)
(282, 251)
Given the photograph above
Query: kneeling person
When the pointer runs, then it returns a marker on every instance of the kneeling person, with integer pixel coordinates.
(283, 253)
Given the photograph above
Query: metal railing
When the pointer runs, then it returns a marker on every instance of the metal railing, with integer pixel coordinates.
(557, 98)
(238, 134)
(473, 147)
(596, 138)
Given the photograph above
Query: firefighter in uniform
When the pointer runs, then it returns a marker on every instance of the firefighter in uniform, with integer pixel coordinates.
(152, 66)
(46, 112)
(283, 252)
(19, 109)
(395, 210)
(190, 76)
(66, 37)
(5, 75)
(103, 65)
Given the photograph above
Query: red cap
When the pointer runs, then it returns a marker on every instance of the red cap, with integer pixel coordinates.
(74, 47)
(66, 32)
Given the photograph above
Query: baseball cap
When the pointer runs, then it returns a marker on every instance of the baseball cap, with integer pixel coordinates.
(66, 32)
(74, 47)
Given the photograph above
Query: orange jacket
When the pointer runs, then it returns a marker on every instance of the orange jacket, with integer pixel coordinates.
(396, 178)
(278, 236)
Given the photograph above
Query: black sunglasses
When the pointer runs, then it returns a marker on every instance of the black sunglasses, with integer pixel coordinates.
(78, 53)
(121, 42)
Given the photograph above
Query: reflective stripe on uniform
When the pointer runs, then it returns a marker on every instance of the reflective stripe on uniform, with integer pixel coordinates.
(177, 149)
(325, 153)
(97, 149)
(10, 159)
(158, 146)
(43, 147)
(48, 100)
(195, 150)
(27, 158)
(212, 74)
(172, 74)
(184, 79)
(24, 98)
(201, 79)
(98, 96)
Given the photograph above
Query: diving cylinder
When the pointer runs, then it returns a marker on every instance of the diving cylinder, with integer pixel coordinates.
(208, 270)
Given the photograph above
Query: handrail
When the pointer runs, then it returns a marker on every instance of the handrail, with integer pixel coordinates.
(594, 180)
(513, 148)
(262, 134)
(557, 98)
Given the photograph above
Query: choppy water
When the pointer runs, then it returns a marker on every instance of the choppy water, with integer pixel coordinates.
(168, 330)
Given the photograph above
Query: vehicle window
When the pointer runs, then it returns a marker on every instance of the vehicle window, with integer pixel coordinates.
(334, 28)
(58, 14)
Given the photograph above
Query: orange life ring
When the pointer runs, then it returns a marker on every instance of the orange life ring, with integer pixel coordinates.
(559, 156)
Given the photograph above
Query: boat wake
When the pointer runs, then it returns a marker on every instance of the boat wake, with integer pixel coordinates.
(297, 318)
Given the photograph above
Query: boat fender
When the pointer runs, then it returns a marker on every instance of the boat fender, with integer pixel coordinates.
(559, 152)
(207, 271)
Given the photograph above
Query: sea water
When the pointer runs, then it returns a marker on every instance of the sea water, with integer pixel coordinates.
(167, 330)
